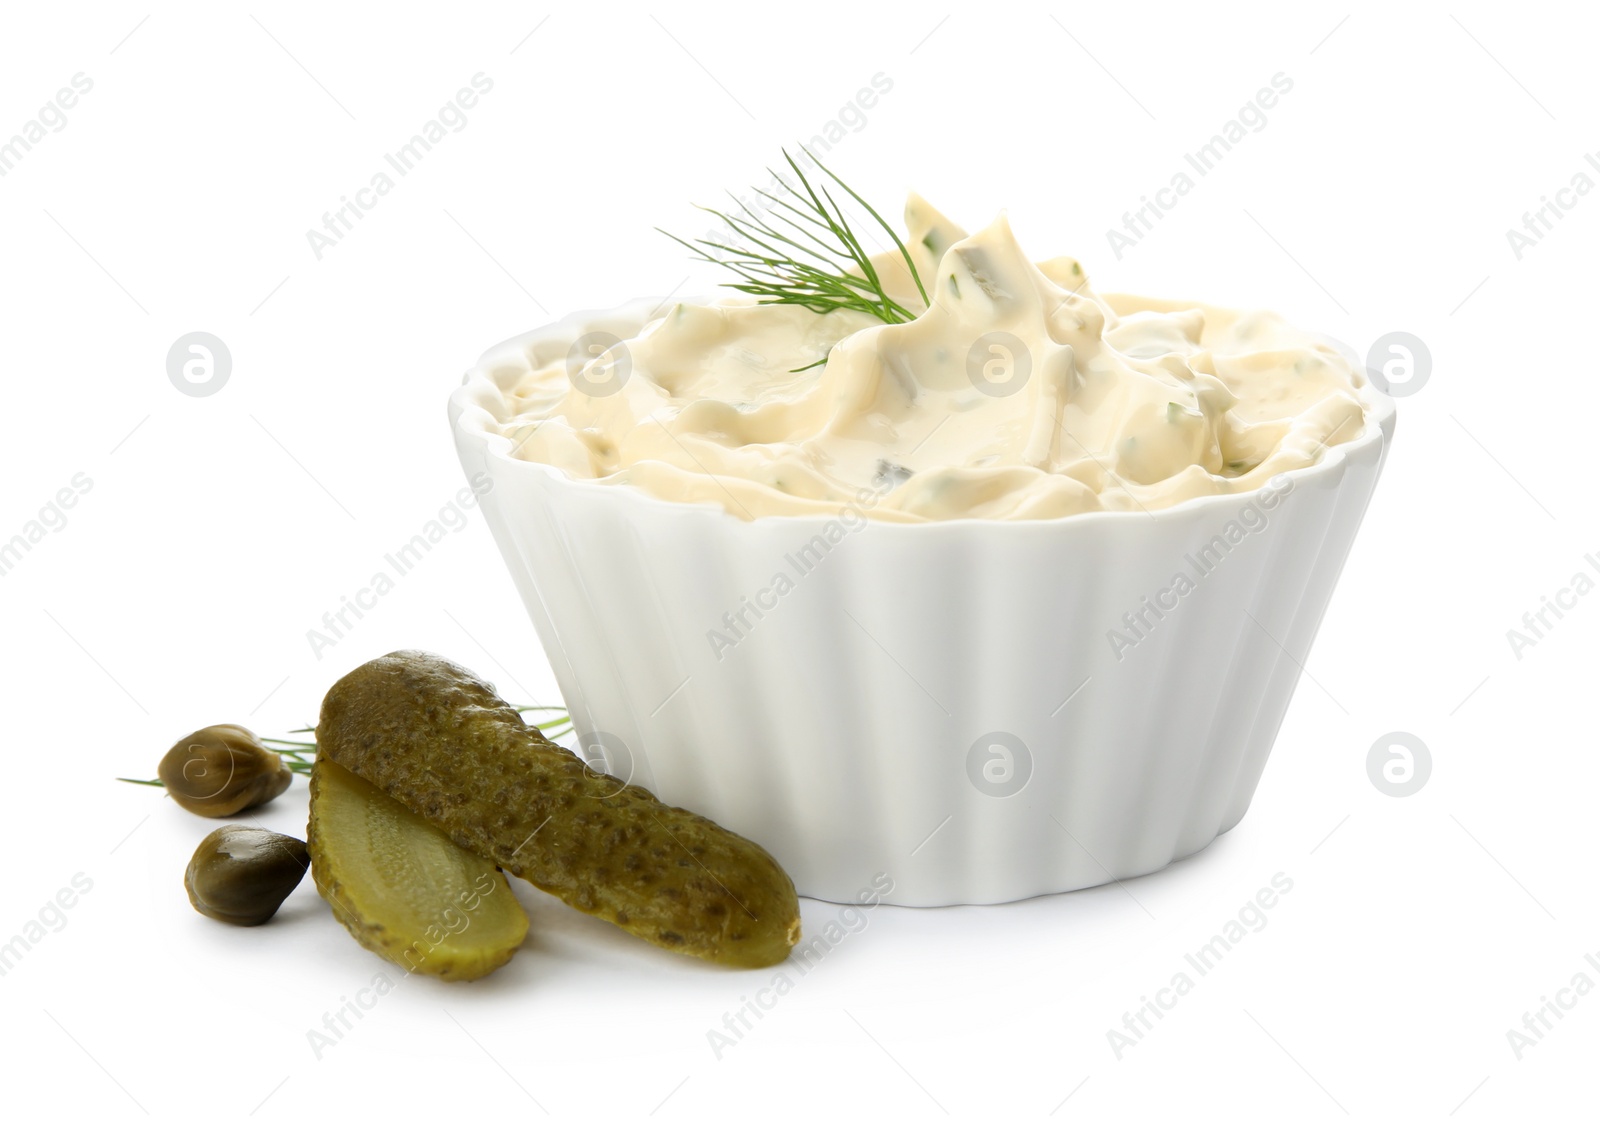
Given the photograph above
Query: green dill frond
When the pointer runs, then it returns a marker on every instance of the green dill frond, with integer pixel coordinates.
(803, 252)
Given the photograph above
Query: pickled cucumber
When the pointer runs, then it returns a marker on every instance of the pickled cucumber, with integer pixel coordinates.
(439, 740)
(402, 888)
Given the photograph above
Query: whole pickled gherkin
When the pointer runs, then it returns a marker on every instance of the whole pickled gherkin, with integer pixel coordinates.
(435, 737)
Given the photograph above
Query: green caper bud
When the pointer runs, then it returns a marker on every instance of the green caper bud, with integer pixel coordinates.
(241, 875)
(221, 770)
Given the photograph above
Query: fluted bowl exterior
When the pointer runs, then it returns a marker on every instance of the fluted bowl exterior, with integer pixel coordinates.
(979, 710)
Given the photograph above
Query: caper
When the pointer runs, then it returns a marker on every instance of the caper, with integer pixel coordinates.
(221, 770)
(241, 875)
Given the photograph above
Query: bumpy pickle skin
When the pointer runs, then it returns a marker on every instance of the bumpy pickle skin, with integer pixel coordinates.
(402, 888)
(440, 741)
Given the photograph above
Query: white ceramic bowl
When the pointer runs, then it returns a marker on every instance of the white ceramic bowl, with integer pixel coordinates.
(940, 705)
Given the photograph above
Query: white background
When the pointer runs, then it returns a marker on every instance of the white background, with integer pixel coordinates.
(219, 529)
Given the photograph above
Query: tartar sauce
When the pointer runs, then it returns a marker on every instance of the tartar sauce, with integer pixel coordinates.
(1018, 392)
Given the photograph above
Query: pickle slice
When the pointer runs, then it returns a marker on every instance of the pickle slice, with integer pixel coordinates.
(439, 740)
(402, 888)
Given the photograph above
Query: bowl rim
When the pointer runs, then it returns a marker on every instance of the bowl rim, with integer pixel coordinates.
(466, 399)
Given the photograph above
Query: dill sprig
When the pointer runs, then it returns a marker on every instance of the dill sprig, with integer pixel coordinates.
(298, 755)
(814, 259)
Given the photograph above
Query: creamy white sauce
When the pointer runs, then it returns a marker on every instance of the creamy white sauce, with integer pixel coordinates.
(1089, 403)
